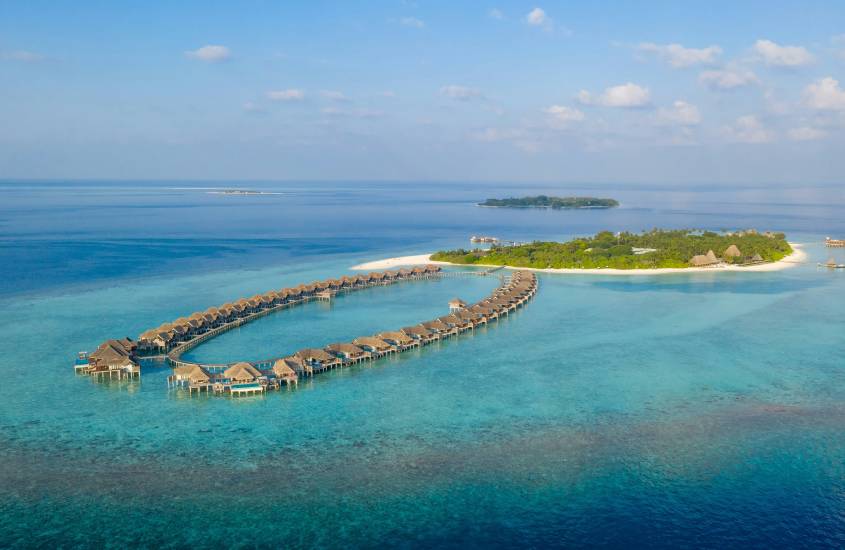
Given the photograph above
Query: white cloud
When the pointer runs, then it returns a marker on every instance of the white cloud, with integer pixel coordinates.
(681, 113)
(333, 95)
(749, 129)
(806, 133)
(538, 17)
(562, 115)
(727, 79)
(210, 53)
(412, 22)
(825, 94)
(461, 93)
(23, 56)
(782, 56)
(679, 57)
(627, 95)
(291, 94)
(496, 13)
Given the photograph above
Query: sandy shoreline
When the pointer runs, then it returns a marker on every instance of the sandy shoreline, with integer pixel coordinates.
(798, 256)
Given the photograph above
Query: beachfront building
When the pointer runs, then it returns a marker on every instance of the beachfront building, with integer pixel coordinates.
(704, 260)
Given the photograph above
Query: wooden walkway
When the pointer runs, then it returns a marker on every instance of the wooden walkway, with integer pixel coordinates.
(513, 293)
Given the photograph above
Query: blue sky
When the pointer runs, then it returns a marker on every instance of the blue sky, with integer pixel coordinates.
(517, 91)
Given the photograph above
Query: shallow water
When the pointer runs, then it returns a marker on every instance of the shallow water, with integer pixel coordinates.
(701, 409)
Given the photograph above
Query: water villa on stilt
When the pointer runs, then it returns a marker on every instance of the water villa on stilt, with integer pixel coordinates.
(170, 340)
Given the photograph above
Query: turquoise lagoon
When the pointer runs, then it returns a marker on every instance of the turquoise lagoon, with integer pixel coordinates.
(696, 409)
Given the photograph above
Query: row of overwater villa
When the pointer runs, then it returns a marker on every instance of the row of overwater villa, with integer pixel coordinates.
(120, 358)
(248, 378)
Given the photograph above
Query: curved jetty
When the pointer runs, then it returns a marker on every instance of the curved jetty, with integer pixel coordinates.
(120, 358)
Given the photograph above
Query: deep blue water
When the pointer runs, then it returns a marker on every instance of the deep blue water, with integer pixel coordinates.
(662, 411)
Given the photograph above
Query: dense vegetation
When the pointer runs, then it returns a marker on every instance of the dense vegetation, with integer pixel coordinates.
(670, 249)
(542, 201)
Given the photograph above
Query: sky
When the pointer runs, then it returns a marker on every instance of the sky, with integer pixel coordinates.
(421, 90)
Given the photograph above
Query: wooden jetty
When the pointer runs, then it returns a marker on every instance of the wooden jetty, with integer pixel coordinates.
(121, 358)
(244, 378)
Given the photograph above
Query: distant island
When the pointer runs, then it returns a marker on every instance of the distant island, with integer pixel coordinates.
(543, 201)
(656, 249)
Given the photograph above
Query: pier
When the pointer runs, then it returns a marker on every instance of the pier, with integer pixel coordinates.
(257, 377)
(121, 359)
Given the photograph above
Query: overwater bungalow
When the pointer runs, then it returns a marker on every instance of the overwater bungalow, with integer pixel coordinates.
(834, 243)
(398, 339)
(113, 358)
(432, 268)
(242, 376)
(284, 373)
(349, 353)
(455, 322)
(298, 365)
(456, 304)
(421, 334)
(439, 327)
(376, 346)
(191, 377)
(472, 317)
(376, 277)
(320, 360)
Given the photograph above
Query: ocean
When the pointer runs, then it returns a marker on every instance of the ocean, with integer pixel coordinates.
(701, 409)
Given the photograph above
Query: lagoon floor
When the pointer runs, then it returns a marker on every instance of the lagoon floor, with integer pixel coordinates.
(701, 409)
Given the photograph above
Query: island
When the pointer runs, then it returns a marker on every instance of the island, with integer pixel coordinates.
(655, 249)
(239, 192)
(557, 203)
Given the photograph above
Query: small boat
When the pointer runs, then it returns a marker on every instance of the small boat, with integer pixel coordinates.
(831, 264)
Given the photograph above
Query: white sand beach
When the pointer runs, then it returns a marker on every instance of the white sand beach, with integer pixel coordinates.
(798, 256)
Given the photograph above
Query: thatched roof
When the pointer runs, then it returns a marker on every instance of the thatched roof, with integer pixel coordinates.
(417, 331)
(345, 349)
(701, 260)
(371, 342)
(282, 370)
(757, 258)
(314, 354)
(193, 373)
(435, 325)
(732, 252)
(395, 336)
(457, 302)
(242, 372)
(297, 364)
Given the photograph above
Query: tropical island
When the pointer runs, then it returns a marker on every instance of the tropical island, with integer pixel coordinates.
(557, 203)
(655, 249)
